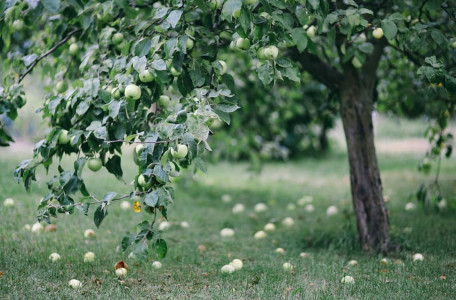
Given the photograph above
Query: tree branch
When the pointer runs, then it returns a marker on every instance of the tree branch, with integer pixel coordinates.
(320, 70)
(37, 60)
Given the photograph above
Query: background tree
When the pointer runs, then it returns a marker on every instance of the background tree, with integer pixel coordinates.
(150, 73)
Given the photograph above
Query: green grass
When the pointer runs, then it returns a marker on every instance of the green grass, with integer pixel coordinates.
(188, 273)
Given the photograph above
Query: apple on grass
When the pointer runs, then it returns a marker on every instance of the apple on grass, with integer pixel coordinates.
(121, 272)
(75, 283)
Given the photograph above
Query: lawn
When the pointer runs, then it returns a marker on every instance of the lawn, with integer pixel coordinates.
(191, 271)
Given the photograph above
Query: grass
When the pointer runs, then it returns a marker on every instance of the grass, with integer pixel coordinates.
(189, 273)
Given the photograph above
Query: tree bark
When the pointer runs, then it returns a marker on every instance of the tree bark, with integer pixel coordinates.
(366, 185)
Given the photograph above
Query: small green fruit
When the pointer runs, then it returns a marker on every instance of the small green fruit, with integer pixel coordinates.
(311, 31)
(133, 92)
(271, 52)
(94, 164)
(117, 38)
(236, 13)
(181, 152)
(146, 76)
(260, 53)
(189, 44)
(61, 87)
(174, 72)
(143, 182)
(63, 137)
(243, 44)
(224, 67)
(164, 101)
(74, 49)
(453, 45)
(378, 33)
(356, 63)
(18, 25)
(215, 4)
(115, 93)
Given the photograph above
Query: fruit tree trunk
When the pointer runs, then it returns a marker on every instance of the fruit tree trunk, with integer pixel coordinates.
(366, 185)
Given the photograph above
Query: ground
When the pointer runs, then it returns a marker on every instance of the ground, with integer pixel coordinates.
(190, 273)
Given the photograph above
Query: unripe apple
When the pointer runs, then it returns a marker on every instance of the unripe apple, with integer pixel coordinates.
(224, 67)
(260, 53)
(181, 152)
(356, 63)
(236, 13)
(61, 86)
(139, 149)
(89, 257)
(75, 283)
(271, 52)
(156, 265)
(174, 72)
(63, 137)
(143, 182)
(54, 257)
(378, 33)
(242, 43)
(189, 44)
(132, 91)
(89, 233)
(73, 49)
(9, 202)
(311, 31)
(121, 272)
(146, 76)
(453, 45)
(215, 4)
(115, 93)
(265, 15)
(117, 38)
(164, 101)
(94, 164)
(18, 25)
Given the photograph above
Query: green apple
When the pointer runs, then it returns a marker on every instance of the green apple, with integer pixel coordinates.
(63, 137)
(164, 101)
(136, 152)
(356, 63)
(271, 52)
(360, 39)
(133, 92)
(226, 35)
(61, 87)
(224, 67)
(215, 4)
(181, 152)
(174, 72)
(146, 76)
(142, 181)
(260, 53)
(115, 93)
(74, 49)
(453, 45)
(236, 13)
(18, 25)
(311, 31)
(265, 15)
(94, 164)
(189, 44)
(117, 38)
(378, 33)
(242, 43)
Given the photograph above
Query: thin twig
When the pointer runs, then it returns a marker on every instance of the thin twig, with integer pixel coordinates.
(37, 60)
(421, 11)
(135, 142)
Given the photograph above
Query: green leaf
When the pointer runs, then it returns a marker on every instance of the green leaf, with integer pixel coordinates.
(143, 47)
(201, 164)
(113, 165)
(99, 215)
(127, 241)
(161, 248)
(160, 173)
(266, 73)
(151, 199)
(366, 48)
(225, 117)
(174, 17)
(389, 29)
(300, 38)
(228, 108)
(229, 7)
(315, 4)
(51, 5)
(140, 250)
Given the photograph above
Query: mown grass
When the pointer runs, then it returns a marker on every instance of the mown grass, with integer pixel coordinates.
(189, 273)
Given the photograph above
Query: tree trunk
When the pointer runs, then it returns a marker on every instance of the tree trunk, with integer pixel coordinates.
(366, 185)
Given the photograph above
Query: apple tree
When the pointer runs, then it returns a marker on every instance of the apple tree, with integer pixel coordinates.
(150, 73)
